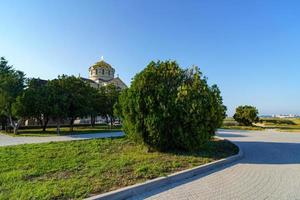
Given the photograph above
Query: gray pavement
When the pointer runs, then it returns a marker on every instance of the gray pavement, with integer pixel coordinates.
(270, 169)
(6, 140)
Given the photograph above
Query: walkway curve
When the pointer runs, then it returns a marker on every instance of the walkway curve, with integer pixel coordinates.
(270, 169)
(6, 140)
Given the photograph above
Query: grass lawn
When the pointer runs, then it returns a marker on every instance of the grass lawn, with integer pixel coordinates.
(284, 125)
(230, 123)
(65, 130)
(78, 169)
(289, 124)
(250, 128)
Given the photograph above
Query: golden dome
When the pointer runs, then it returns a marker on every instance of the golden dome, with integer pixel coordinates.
(101, 64)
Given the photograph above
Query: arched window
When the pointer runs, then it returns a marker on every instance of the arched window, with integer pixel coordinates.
(102, 71)
(108, 72)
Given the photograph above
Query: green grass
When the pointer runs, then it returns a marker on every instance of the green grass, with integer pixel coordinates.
(290, 124)
(65, 130)
(250, 128)
(230, 123)
(78, 169)
(287, 125)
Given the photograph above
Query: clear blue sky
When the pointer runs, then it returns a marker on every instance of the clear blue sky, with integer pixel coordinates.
(250, 49)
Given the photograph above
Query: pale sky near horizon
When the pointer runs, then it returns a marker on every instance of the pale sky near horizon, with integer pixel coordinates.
(250, 49)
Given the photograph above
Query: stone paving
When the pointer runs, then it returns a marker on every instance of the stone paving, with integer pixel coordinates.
(6, 140)
(270, 169)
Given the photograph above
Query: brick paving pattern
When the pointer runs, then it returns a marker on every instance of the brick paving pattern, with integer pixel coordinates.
(270, 169)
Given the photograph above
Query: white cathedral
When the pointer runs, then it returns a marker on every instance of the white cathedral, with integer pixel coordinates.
(102, 73)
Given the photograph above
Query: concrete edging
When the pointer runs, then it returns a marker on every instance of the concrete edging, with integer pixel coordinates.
(130, 191)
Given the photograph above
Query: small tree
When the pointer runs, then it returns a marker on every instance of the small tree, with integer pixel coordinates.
(246, 115)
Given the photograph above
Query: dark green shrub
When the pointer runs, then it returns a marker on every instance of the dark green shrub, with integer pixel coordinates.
(246, 115)
(169, 108)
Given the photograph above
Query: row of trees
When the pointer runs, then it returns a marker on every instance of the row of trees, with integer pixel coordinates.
(66, 97)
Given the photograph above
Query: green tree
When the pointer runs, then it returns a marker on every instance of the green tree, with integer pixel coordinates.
(69, 98)
(169, 108)
(97, 104)
(35, 102)
(58, 100)
(11, 86)
(246, 115)
(111, 94)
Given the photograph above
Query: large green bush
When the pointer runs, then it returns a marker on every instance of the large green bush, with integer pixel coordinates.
(169, 108)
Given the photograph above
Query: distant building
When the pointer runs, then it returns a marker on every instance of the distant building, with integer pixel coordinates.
(102, 73)
(266, 116)
(286, 116)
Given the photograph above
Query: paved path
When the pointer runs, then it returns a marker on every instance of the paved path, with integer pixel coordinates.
(270, 169)
(6, 140)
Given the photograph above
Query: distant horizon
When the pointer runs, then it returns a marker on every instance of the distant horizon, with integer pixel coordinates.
(250, 49)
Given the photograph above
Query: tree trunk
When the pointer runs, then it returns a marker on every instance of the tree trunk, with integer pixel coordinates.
(71, 124)
(58, 127)
(93, 120)
(3, 126)
(106, 119)
(16, 126)
(111, 122)
(46, 120)
(13, 125)
(41, 122)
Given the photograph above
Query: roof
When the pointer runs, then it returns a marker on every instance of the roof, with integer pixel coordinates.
(102, 63)
(103, 80)
(88, 80)
(117, 78)
(40, 81)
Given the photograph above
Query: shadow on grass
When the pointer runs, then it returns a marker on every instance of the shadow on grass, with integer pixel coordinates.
(214, 149)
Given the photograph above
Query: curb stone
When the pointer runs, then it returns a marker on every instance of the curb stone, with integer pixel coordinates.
(134, 190)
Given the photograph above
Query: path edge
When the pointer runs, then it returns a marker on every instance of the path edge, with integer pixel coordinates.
(134, 190)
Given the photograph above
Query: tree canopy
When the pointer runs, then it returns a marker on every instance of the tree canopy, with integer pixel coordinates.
(34, 102)
(69, 97)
